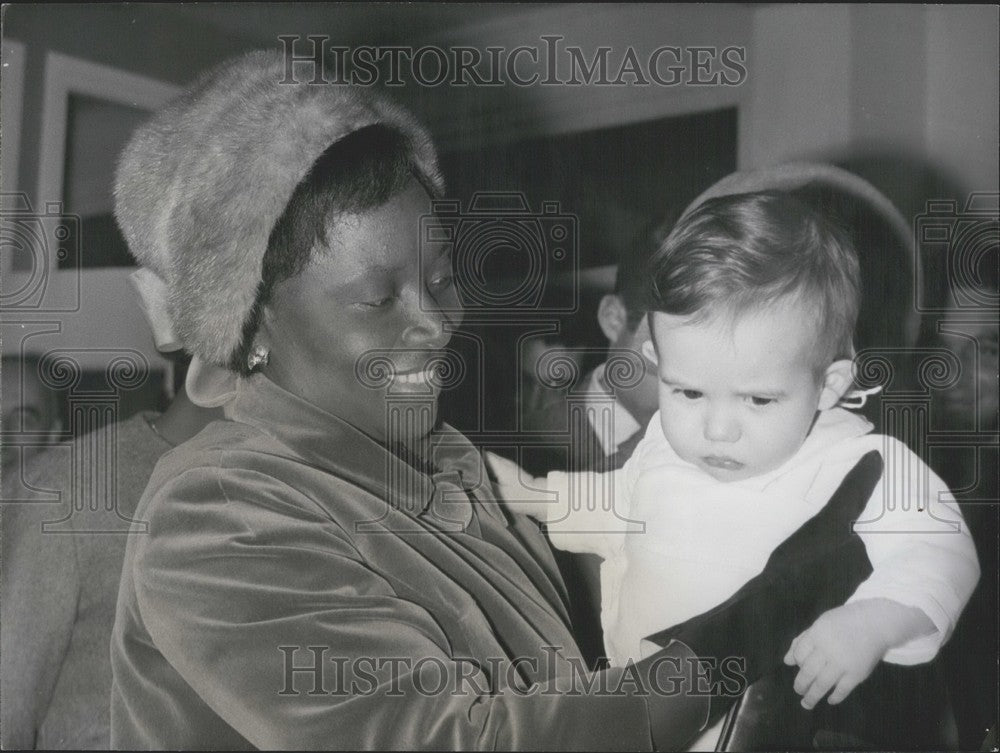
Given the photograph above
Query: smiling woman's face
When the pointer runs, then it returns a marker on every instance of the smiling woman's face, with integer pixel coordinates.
(370, 292)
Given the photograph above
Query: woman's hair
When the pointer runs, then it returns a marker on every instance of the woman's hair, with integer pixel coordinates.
(736, 253)
(359, 172)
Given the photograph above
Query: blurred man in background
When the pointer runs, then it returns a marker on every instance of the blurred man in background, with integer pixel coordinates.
(621, 317)
(31, 419)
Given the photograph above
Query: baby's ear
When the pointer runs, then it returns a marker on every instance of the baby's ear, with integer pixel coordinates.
(838, 379)
(649, 351)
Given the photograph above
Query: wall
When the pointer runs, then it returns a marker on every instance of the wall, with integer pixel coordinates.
(915, 83)
(140, 39)
(800, 83)
(963, 78)
(904, 94)
(824, 80)
(467, 116)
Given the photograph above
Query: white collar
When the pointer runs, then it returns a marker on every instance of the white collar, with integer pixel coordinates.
(832, 426)
(623, 423)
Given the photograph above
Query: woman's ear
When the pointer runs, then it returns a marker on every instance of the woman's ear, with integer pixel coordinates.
(838, 379)
(265, 323)
(612, 316)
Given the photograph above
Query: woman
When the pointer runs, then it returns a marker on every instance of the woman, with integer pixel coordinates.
(322, 569)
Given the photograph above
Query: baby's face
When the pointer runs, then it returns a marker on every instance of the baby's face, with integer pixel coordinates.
(737, 398)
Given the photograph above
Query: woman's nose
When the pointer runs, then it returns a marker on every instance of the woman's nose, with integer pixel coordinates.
(721, 426)
(428, 325)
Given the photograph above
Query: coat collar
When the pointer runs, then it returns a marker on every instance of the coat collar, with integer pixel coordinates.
(441, 490)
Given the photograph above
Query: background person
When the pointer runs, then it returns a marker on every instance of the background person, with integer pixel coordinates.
(30, 408)
(621, 317)
(58, 589)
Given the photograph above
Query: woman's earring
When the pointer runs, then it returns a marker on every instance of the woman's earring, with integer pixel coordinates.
(259, 356)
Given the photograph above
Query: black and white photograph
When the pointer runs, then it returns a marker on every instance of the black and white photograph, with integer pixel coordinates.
(499, 376)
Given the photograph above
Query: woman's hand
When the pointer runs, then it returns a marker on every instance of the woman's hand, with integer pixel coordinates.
(519, 491)
(844, 645)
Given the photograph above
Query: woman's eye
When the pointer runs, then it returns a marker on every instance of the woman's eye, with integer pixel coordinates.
(442, 282)
(691, 394)
(378, 303)
(761, 401)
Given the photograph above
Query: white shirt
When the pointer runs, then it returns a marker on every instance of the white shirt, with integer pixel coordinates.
(676, 542)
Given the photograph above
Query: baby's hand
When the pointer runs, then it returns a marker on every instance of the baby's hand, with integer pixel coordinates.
(518, 490)
(837, 652)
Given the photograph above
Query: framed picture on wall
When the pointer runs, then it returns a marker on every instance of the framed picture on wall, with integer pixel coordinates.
(66, 265)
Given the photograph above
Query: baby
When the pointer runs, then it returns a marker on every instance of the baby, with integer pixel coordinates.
(755, 298)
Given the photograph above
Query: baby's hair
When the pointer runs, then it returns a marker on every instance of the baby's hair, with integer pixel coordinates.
(735, 254)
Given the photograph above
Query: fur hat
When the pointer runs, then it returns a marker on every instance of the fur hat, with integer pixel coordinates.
(201, 185)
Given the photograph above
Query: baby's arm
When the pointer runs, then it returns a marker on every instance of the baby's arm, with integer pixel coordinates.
(547, 498)
(519, 491)
(846, 643)
(534, 496)
(584, 512)
(924, 570)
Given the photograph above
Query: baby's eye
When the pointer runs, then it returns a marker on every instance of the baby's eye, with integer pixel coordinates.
(761, 401)
(691, 394)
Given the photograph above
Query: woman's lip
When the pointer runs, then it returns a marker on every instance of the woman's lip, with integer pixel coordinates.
(722, 462)
(429, 360)
(415, 376)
